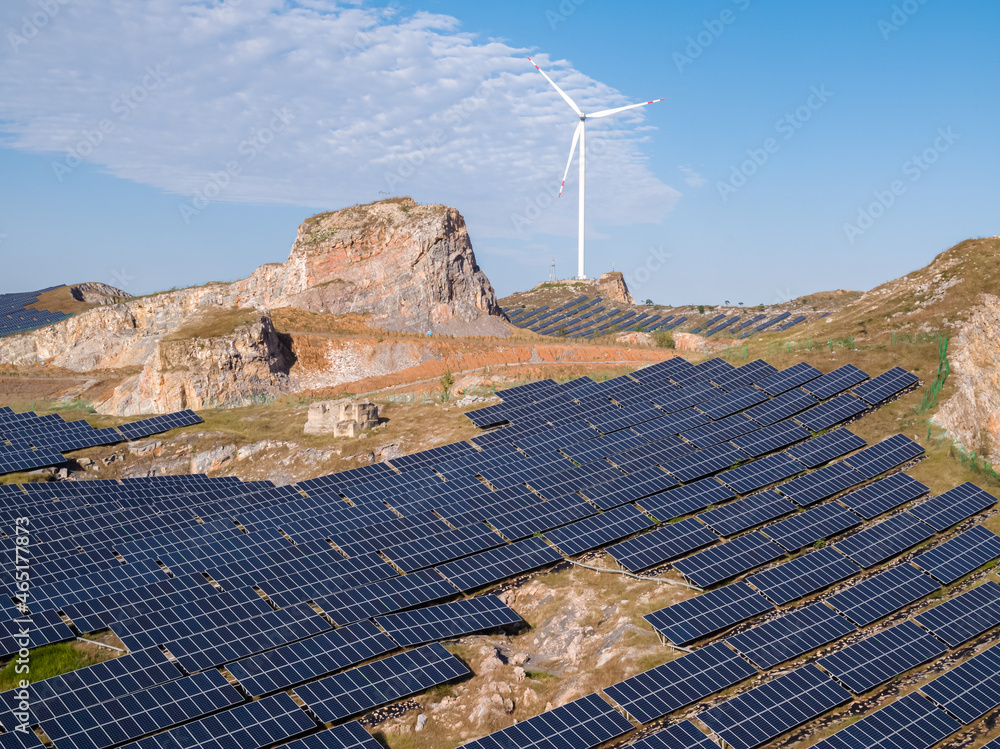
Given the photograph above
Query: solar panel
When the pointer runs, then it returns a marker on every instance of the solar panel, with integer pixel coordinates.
(960, 555)
(883, 495)
(448, 620)
(582, 724)
(807, 574)
(875, 660)
(731, 403)
(945, 510)
(497, 564)
(832, 412)
(686, 499)
(911, 722)
(689, 620)
(380, 682)
(806, 528)
(704, 462)
(884, 456)
(760, 473)
(678, 736)
(885, 540)
(786, 379)
(969, 690)
(771, 438)
(251, 726)
(385, 596)
(881, 594)
(720, 431)
(765, 712)
(781, 407)
(347, 736)
(886, 385)
(841, 379)
(747, 512)
(729, 559)
(442, 547)
(791, 635)
(680, 682)
(819, 450)
(308, 659)
(540, 517)
(661, 545)
(821, 484)
(599, 530)
(964, 617)
(629, 488)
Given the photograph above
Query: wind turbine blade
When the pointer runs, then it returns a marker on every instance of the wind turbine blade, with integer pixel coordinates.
(562, 93)
(572, 150)
(606, 112)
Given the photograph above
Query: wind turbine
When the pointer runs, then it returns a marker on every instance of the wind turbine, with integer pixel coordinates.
(581, 136)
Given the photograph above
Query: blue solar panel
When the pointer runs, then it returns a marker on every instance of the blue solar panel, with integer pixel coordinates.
(729, 559)
(964, 617)
(346, 736)
(680, 682)
(497, 564)
(883, 495)
(960, 555)
(837, 381)
(806, 574)
(819, 450)
(886, 385)
(781, 407)
(678, 736)
(911, 722)
(832, 412)
(884, 456)
(953, 506)
(686, 499)
(821, 484)
(661, 545)
(881, 594)
(708, 613)
(747, 512)
(786, 379)
(599, 530)
(885, 540)
(760, 473)
(765, 712)
(814, 524)
(875, 660)
(969, 690)
(790, 635)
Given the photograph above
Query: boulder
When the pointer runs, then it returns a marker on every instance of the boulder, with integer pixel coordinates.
(341, 418)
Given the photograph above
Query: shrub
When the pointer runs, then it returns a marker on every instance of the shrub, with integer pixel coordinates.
(664, 338)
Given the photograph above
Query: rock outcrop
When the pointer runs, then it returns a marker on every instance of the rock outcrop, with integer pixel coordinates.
(612, 287)
(228, 370)
(341, 418)
(972, 414)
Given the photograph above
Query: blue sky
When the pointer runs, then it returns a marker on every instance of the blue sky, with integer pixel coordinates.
(801, 147)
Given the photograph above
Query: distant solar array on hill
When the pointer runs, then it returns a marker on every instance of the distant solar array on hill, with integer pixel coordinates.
(29, 441)
(585, 318)
(329, 598)
(17, 316)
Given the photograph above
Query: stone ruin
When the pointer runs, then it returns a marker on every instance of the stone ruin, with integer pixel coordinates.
(342, 418)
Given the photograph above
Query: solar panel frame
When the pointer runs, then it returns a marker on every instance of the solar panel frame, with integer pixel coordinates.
(832, 383)
(960, 555)
(826, 447)
(803, 575)
(790, 635)
(747, 512)
(883, 495)
(952, 507)
(821, 484)
(683, 623)
(816, 523)
(835, 411)
(884, 540)
(448, 620)
(910, 722)
(885, 455)
(886, 385)
(882, 594)
(599, 530)
(971, 689)
(968, 615)
(662, 545)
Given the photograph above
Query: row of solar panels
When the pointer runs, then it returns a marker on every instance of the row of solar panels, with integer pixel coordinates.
(29, 441)
(584, 318)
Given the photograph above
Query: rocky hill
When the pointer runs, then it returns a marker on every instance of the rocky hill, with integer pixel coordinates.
(405, 267)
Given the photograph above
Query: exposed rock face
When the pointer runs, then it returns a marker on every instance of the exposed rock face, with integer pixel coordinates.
(972, 414)
(342, 418)
(201, 373)
(612, 286)
(98, 293)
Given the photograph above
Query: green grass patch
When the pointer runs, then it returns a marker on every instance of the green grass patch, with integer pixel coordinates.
(46, 662)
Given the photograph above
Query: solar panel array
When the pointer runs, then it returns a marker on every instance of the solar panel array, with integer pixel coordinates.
(18, 316)
(29, 441)
(670, 440)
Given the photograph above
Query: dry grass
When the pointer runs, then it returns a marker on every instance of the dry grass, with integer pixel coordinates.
(211, 322)
(62, 300)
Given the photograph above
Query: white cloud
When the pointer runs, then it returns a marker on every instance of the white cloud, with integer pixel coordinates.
(372, 103)
(693, 178)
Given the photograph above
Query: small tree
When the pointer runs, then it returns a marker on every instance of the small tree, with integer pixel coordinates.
(727, 302)
(664, 338)
(648, 301)
(447, 380)
(701, 309)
